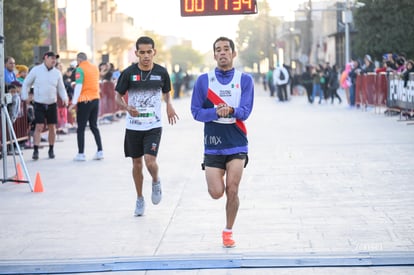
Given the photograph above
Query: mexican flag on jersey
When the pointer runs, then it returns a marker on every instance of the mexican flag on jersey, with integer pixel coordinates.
(135, 77)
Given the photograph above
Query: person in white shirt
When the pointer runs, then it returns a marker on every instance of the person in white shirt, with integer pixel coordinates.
(280, 80)
(47, 83)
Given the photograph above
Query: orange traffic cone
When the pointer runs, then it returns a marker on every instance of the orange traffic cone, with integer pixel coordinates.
(19, 176)
(38, 188)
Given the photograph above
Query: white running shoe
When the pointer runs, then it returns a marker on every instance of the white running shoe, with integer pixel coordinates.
(80, 157)
(140, 207)
(156, 192)
(99, 155)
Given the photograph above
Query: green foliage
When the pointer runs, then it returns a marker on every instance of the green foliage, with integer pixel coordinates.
(186, 57)
(162, 55)
(256, 35)
(248, 42)
(384, 26)
(22, 20)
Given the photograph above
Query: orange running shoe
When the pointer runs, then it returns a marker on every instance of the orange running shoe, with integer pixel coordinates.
(228, 241)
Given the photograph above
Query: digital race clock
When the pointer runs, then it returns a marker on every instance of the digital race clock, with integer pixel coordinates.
(217, 7)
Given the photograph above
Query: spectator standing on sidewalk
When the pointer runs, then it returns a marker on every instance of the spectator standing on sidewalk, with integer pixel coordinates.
(290, 80)
(368, 66)
(317, 75)
(355, 71)
(86, 98)
(280, 80)
(22, 71)
(47, 84)
(325, 79)
(270, 82)
(307, 82)
(147, 83)
(409, 68)
(345, 81)
(9, 67)
(223, 100)
(333, 84)
(177, 79)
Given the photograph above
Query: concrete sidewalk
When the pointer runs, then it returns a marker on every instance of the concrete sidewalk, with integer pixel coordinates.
(322, 180)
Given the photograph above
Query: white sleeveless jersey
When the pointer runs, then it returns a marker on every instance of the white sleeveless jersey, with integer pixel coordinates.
(230, 93)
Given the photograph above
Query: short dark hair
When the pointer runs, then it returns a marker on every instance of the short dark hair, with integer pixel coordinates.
(7, 59)
(222, 38)
(145, 40)
(82, 56)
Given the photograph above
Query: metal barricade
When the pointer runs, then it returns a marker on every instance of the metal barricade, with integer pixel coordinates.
(20, 125)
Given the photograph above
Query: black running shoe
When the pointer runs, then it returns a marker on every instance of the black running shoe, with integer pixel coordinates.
(35, 155)
(51, 154)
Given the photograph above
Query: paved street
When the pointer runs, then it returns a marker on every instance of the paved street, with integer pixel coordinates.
(322, 180)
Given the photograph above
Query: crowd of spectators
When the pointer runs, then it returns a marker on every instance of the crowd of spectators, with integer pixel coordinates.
(15, 75)
(322, 82)
(318, 80)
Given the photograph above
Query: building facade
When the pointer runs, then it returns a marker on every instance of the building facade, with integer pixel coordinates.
(96, 28)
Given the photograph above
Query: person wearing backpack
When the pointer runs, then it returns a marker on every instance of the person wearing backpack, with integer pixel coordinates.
(281, 79)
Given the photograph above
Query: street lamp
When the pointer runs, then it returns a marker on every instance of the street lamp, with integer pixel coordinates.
(348, 18)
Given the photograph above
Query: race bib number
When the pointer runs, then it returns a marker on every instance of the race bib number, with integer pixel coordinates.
(146, 114)
(226, 120)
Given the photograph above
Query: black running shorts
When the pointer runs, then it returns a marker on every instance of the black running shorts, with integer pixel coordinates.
(45, 113)
(220, 161)
(138, 143)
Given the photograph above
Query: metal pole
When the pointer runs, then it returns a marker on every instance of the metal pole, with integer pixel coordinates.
(347, 22)
(54, 28)
(309, 33)
(346, 43)
(2, 94)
